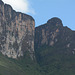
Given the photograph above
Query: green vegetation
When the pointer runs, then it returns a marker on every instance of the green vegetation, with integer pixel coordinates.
(22, 66)
(55, 60)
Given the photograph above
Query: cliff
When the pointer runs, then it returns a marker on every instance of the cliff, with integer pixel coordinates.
(16, 32)
(55, 48)
(48, 32)
(54, 34)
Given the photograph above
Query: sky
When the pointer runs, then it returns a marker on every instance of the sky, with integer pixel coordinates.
(43, 10)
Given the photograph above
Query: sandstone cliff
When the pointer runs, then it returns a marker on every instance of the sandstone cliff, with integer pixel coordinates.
(54, 34)
(16, 32)
(55, 48)
(48, 32)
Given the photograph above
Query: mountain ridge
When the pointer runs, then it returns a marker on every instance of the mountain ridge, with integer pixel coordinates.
(48, 49)
(55, 48)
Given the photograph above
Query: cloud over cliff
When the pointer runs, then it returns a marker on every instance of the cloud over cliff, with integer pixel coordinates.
(20, 5)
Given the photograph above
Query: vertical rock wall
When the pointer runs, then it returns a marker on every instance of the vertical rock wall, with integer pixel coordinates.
(16, 32)
(48, 33)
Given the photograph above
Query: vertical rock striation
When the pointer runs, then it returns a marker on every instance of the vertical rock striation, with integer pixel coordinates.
(54, 34)
(16, 32)
(47, 34)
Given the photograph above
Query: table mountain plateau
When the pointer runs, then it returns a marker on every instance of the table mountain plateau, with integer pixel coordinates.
(48, 49)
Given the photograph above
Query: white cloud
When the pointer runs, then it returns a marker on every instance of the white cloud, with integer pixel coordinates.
(20, 5)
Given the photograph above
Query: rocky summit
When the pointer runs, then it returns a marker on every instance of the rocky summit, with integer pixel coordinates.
(55, 48)
(48, 32)
(16, 32)
(53, 34)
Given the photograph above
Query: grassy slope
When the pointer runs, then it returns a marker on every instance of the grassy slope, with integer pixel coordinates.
(52, 60)
(23, 66)
(55, 61)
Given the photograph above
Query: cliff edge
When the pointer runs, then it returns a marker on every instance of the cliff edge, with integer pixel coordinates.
(16, 32)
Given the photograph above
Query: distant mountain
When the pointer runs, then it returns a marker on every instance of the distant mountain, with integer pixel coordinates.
(55, 48)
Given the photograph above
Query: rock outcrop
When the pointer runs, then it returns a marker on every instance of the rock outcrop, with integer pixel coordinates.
(16, 32)
(47, 34)
(54, 34)
(55, 48)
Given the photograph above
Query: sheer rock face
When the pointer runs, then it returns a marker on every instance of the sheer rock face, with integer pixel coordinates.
(47, 34)
(54, 34)
(16, 32)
